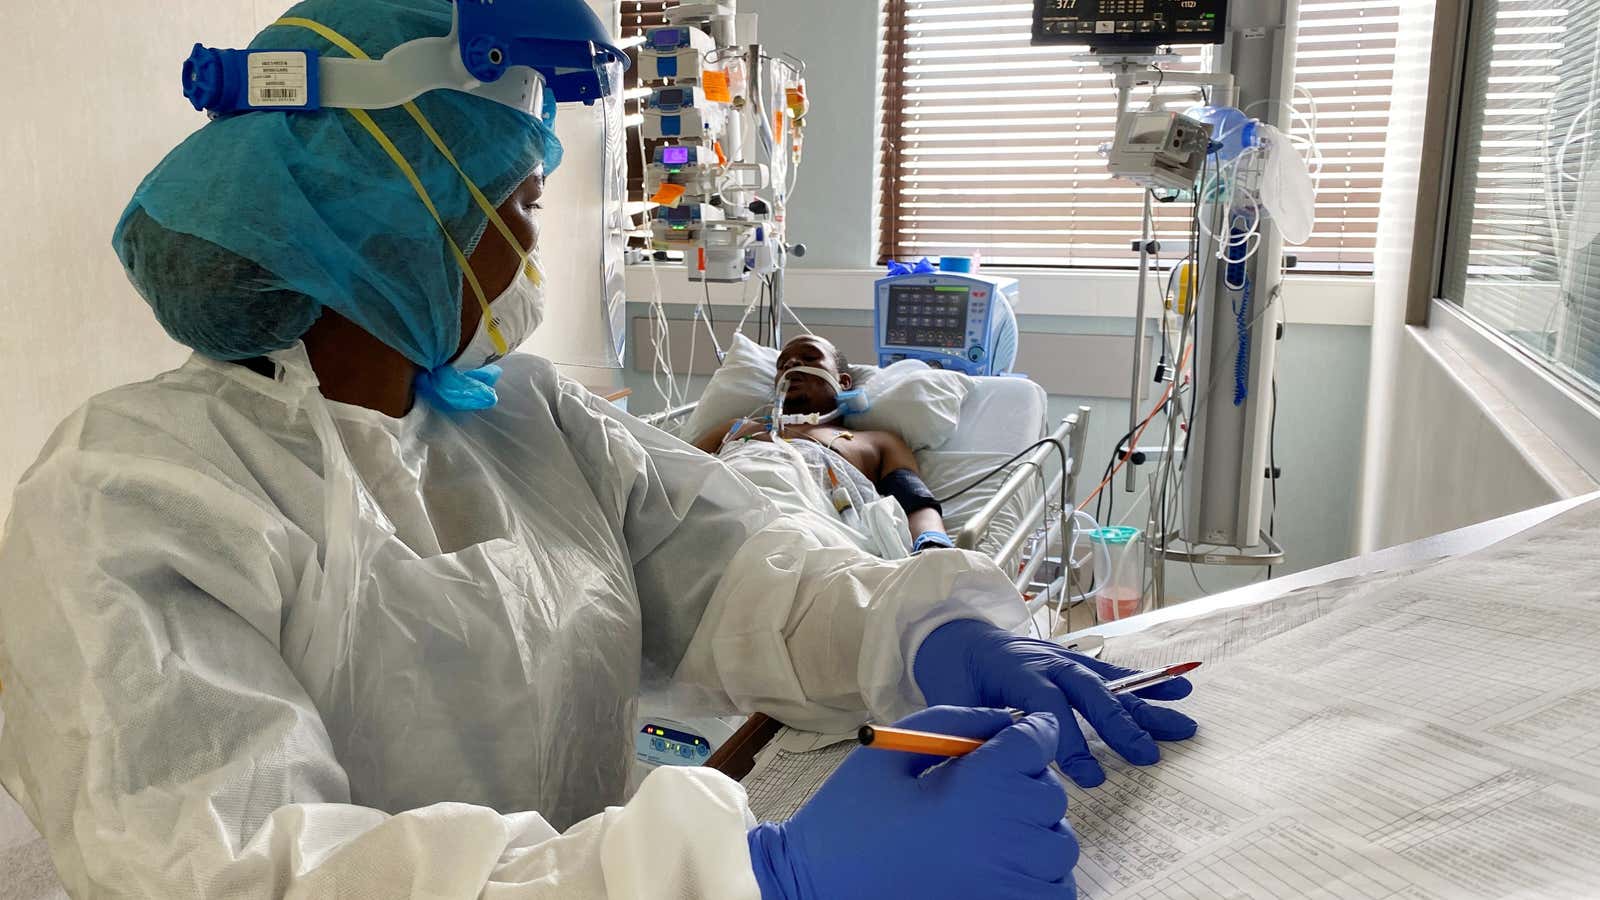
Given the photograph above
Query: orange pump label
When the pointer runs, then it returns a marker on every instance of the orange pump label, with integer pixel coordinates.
(669, 195)
(715, 86)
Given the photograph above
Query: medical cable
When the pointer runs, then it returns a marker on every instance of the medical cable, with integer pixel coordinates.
(803, 326)
(1170, 491)
(662, 351)
(1065, 503)
(711, 326)
(1272, 465)
(1124, 457)
(1060, 449)
(694, 334)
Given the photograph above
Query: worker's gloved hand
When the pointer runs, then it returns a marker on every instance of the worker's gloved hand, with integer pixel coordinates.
(972, 663)
(890, 824)
(931, 540)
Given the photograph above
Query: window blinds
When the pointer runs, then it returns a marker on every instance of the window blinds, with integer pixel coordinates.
(990, 145)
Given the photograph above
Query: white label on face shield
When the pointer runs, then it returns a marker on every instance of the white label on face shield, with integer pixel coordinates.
(278, 78)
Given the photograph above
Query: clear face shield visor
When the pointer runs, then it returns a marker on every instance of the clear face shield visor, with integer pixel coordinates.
(501, 52)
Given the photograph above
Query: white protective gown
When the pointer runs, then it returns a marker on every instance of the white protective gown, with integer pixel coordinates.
(256, 644)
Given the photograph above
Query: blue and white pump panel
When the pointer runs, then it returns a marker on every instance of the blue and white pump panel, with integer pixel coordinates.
(949, 320)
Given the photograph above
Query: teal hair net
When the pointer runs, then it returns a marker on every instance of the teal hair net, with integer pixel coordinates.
(256, 222)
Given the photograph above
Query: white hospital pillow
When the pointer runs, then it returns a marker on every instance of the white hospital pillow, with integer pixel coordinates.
(740, 385)
(919, 403)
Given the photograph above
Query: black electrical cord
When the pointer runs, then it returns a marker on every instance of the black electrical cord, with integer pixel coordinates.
(711, 318)
(775, 314)
(1060, 450)
(1272, 463)
(1066, 504)
(761, 314)
(773, 325)
(1110, 490)
(1100, 498)
(1116, 455)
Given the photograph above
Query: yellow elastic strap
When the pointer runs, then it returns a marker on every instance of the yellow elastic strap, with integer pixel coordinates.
(529, 265)
(343, 43)
(378, 134)
(360, 115)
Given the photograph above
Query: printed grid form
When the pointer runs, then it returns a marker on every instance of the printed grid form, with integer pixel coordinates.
(1280, 860)
(1433, 737)
(1273, 755)
(779, 788)
(1565, 726)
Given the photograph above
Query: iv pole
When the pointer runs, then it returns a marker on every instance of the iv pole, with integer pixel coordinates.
(1222, 495)
(1132, 71)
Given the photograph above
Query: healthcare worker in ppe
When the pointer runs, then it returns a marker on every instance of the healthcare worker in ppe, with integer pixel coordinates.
(337, 610)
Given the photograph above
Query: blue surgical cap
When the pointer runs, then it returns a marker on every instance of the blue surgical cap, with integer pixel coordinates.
(256, 222)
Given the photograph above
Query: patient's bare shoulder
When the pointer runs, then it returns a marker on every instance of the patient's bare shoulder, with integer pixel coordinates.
(889, 452)
(711, 441)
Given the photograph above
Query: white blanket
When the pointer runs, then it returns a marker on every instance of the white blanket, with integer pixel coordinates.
(799, 483)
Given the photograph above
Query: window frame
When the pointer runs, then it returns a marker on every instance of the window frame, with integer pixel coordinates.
(1559, 397)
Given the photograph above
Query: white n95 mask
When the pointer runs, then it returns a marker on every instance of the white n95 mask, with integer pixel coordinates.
(517, 311)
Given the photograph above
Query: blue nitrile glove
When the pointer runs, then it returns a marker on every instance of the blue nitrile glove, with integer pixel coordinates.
(890, 824)
(931, 539)
(972, 663)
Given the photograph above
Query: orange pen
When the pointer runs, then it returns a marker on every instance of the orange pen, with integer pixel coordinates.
(905, 740)
(884, 737)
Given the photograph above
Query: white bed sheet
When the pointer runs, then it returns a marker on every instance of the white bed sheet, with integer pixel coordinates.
(1000, 417)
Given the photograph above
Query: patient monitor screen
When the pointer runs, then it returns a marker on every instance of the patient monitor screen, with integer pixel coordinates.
(928, 315)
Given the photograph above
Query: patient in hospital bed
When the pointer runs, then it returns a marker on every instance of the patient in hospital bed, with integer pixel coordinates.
(866, 479)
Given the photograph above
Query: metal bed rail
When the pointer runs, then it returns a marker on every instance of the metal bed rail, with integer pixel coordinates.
(1072, 433)
(660, 419)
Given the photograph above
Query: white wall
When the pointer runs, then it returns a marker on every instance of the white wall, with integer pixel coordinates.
(1456, 450)
(1396, 224)
(92, 103)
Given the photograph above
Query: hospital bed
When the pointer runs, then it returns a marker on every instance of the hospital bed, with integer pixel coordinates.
(1015, 518)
